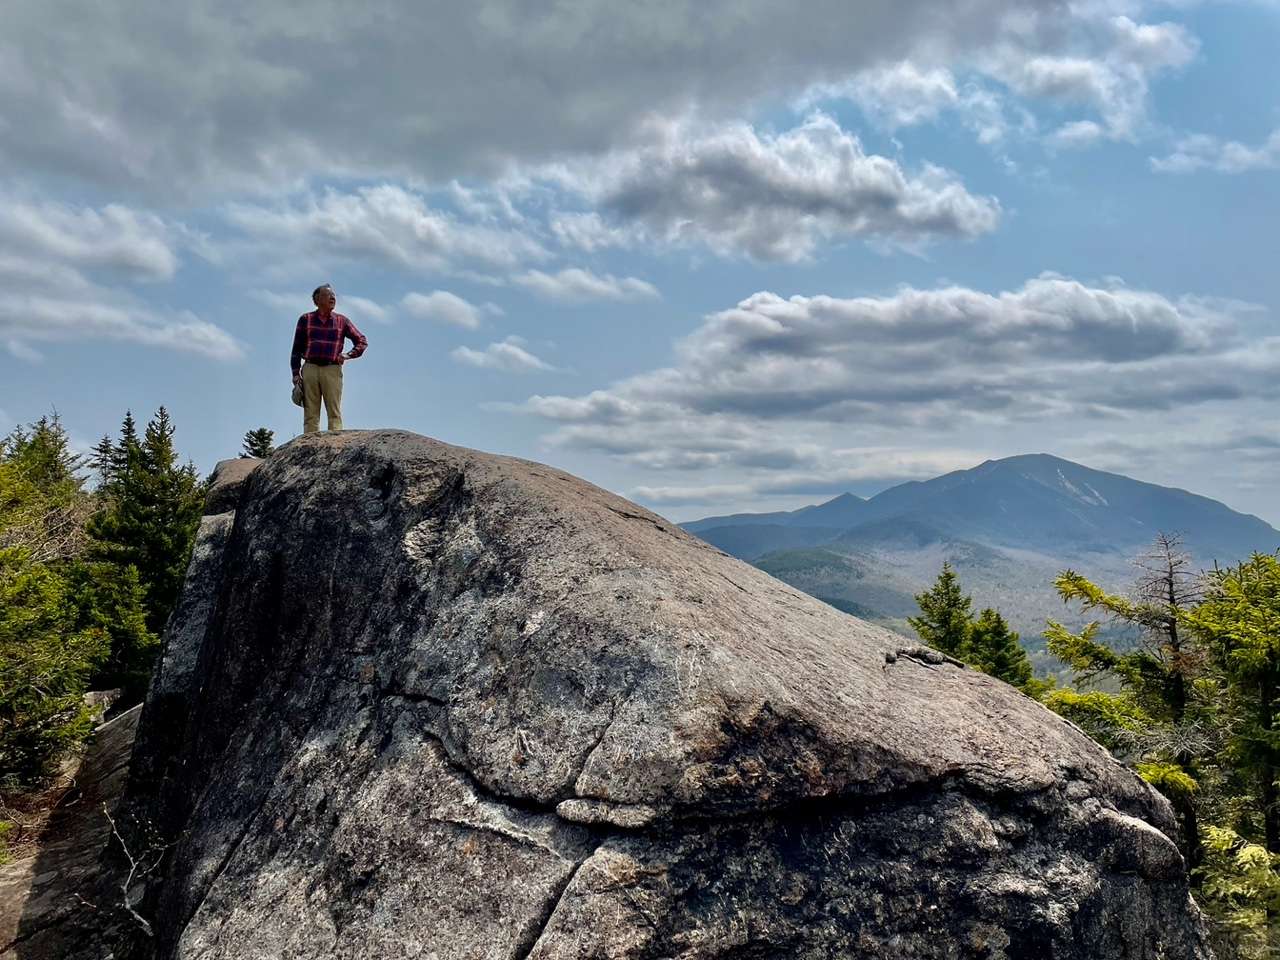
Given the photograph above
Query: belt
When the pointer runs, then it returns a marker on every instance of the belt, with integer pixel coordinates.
(321, 363)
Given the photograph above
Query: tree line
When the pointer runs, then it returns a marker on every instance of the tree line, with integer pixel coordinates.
(88, 577)
(1189, 702)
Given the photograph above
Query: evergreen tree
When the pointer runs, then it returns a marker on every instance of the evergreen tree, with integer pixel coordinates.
(110, 601)
(45, 665)
(46, 656)
(945, 614)
(1165, 719)
(1239, 621)
(993, 648)
(153, 506)
(987, 644)
(259, 443)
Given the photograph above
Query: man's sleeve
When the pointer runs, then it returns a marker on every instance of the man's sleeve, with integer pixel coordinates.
(299, 345)
(358, 341)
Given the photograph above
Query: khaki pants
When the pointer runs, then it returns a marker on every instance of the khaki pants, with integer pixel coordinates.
(321, 382)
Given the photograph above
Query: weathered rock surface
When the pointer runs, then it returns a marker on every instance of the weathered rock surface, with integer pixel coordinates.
(63, 900)
(420, 701)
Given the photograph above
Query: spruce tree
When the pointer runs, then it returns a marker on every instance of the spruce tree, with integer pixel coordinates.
(153, 506)
(1239, 622)
(944, 614)
(258, 443)
(45, 665)
(993, 648)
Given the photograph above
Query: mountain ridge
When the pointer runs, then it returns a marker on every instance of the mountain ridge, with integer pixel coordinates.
(1088, 507)
(1008, 526)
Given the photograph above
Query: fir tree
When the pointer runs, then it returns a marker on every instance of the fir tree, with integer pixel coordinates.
(987, 644)
(153, 506)
(110, 601)
(944, 614)
(1239, 621)
(45, 665)
(993, 648)
(258, 443)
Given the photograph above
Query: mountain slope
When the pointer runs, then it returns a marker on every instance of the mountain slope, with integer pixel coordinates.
(1040, 501)
(1007, 526)
(1034, 502)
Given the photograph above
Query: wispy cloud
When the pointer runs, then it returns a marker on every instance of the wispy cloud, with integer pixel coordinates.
(32, 318)
(508, 355)
(576, 285)
(115, 238)
(1203, 152)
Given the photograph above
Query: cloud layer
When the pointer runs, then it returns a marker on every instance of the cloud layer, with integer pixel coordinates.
(227, 95)
(777, 384)
(115, 238)
(53, 290)
(50, 303)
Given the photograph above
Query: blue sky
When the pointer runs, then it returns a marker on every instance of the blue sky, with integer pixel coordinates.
(711, 256)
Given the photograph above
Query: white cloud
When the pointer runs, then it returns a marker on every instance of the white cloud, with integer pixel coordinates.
(576, 285)
(441, 306)
(1106, 62)
(901, 94)
(384, 223)
(1200, 152)
(44, 300)
(1076, 134)
(23, 351)
(508, 355)
(590, 232)
(1094, 57)
(27, 318)
(114, 237)
(907, 94)
(834, 471)
(224, 95)
(771, 197)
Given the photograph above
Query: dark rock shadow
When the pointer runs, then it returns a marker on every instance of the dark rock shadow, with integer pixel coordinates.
(66, 902)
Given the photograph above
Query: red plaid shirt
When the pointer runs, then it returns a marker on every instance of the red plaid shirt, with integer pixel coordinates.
(320, 338)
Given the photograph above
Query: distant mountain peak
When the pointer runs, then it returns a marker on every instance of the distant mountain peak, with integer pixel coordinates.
(844, 498)
(1035, 501)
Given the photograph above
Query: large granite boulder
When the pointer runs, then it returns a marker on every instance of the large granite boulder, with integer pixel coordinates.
(420, 701)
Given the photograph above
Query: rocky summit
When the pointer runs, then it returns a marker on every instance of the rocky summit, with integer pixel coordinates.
(420, 701)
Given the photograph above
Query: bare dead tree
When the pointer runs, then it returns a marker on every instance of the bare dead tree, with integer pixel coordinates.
(1168, 586)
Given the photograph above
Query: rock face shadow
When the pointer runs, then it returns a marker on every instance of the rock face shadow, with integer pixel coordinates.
(61, 903)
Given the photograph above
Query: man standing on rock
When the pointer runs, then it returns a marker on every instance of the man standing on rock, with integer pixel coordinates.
(318, 340)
